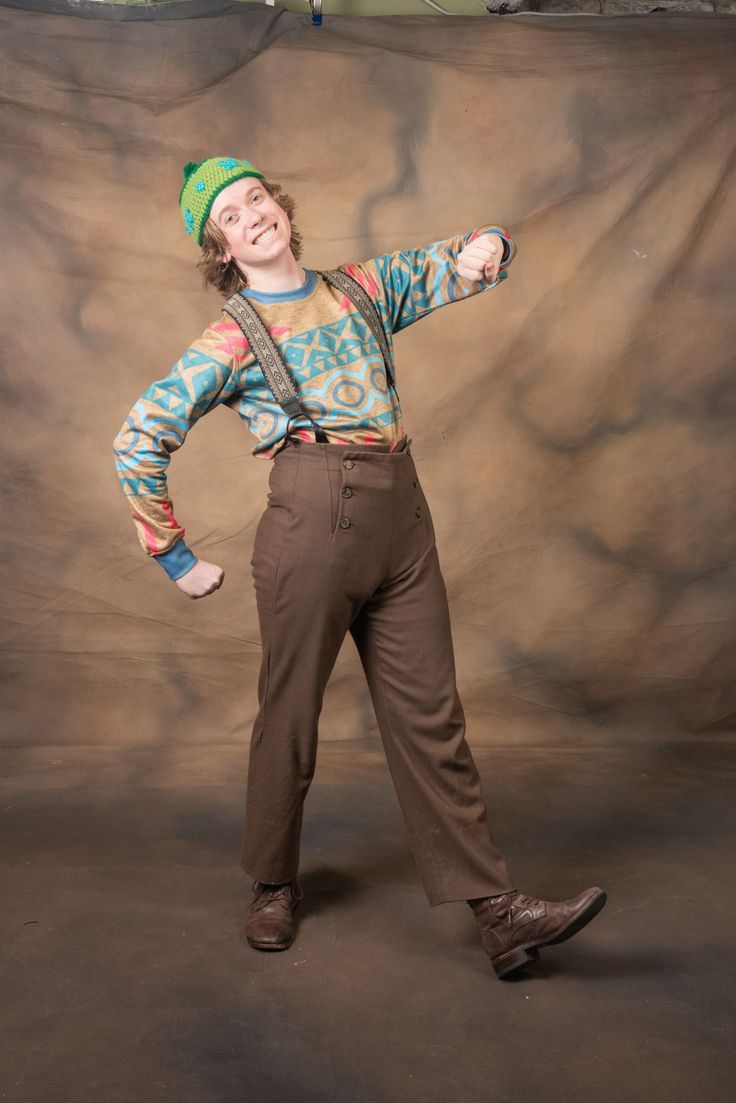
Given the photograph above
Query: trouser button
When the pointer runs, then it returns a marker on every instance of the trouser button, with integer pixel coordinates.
(345, 523)
(347, 492)
(349, 464)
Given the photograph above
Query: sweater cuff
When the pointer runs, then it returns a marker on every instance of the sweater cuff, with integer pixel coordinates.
(177, 560)
(506, 246)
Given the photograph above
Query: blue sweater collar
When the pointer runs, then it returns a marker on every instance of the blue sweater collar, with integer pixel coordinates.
(284, 296)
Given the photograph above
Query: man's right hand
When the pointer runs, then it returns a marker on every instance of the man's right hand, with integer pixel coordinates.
(204, 578)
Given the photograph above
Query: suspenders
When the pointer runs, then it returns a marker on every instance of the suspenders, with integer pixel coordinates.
(341, 281)
(266, 352)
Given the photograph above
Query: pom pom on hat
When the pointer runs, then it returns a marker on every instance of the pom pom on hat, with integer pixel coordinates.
(203, 182)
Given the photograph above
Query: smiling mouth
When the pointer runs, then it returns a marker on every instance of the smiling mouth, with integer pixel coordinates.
(265, 236)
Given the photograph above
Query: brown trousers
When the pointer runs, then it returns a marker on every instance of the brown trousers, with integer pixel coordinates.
(346, 543)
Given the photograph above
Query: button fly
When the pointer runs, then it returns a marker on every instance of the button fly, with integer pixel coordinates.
(347, 492)
(345, 523)
(349, 464)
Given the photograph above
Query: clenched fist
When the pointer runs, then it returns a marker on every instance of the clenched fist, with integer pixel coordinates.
(481, 258)
(204, 578)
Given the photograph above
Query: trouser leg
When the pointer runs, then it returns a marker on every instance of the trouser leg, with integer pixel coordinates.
(308, 591)
(283, 748)
(405, 645)
(303, 620)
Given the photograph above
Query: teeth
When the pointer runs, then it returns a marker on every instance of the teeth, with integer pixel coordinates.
(266, 235)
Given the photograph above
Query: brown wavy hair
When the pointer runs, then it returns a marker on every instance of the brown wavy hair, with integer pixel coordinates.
(227, 278)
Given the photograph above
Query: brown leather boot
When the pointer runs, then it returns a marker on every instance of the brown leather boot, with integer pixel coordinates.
(513, 926)
(270, 916)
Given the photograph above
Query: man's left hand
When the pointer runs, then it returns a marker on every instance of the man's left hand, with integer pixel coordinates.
(480, 259)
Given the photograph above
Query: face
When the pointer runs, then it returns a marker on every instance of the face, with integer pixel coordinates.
(256, 228)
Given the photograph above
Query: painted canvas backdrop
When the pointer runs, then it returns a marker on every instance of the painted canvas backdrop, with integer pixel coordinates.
(574, 428)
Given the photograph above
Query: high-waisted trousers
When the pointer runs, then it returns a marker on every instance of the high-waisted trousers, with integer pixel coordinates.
(346, 544)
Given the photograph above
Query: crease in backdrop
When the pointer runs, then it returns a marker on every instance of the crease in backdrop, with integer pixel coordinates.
(574, 427)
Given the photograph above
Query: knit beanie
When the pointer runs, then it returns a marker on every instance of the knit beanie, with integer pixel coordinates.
(203, 183)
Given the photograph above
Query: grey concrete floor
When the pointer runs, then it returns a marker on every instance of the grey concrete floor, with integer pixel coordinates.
(126, 976)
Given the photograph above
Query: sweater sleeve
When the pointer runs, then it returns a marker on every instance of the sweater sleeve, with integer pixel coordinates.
(410, 283)
(205, 376)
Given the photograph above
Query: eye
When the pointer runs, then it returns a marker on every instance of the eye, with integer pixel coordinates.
(257, 195)
(230, 218)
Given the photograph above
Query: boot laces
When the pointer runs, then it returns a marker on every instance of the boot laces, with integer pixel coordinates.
(522, 900)
(266, 895)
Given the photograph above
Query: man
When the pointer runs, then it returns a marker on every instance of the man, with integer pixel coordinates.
(346, 542)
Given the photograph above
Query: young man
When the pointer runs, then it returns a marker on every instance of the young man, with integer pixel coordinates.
(346, 542)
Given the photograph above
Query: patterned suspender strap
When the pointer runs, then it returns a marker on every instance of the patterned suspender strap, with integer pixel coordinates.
(362, 300)
(272, 365)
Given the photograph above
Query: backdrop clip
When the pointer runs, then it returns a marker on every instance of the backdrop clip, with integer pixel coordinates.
(316, 6)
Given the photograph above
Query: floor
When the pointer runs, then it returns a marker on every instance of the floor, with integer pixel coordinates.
(126, 976)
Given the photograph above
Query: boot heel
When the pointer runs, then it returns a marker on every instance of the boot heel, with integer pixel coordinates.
(513, 961)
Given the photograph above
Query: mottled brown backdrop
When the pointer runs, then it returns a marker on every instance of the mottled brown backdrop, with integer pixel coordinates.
(574, 428)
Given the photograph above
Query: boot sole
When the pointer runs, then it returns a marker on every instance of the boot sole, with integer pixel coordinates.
(269, 945)
(522, 956)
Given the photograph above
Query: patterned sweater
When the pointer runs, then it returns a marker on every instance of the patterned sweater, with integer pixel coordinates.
(334, 360)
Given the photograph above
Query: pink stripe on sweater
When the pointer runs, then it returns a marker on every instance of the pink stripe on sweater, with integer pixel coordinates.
(169, 511)
(148, 533)
(364, 279)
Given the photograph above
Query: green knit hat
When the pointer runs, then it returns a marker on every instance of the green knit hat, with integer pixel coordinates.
(205, 181)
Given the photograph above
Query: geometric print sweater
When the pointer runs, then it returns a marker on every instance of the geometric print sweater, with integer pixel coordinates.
(332, 356)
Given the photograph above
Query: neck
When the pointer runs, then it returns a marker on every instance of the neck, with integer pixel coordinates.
(283, 274)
